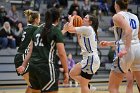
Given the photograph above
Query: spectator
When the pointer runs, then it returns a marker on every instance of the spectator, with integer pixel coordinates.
(74, 6)
(112, 9)
(50, 3)
(75, 12)
(18, 33)
(63, 3)
(3, 14)
(85, 7)
(7, 37)
(71, 64)
(13, 16)
(37, 5)
(137, 2)
(94, 8)
(104, 7)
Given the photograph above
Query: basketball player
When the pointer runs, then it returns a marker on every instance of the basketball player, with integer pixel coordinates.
(33, 19)
(46, 40)
(127, 46)
(83, 71)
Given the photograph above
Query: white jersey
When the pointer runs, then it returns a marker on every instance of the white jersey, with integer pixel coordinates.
(131, 59)
(134, 24)
(87, 40)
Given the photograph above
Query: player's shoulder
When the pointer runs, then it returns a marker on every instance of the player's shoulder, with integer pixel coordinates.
(117, 16)
(42, 25)
(56, 29)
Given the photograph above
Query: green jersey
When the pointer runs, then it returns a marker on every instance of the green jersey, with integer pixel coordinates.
(26, 38)
(45, 53)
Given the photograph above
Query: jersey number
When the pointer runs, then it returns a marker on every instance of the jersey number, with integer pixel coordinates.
(23, 36)
(38, 40)
(133, 23)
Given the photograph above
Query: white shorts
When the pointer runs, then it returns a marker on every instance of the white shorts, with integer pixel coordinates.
(90, 64)
(129, 61)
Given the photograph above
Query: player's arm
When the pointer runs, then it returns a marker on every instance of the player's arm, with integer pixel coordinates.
(121, 22)
(79, 30)
(21, 68)
(139, 33)
(69, 26)
(27, 58)
(107, 43)
(63, 59)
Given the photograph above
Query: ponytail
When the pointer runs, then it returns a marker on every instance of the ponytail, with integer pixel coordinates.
(95, 24)
(31, 15)
(51, 16)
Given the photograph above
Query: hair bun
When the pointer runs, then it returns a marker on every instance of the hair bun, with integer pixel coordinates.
(28, 12)
(125, 1)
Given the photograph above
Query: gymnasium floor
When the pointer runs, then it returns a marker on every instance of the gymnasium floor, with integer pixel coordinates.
(101, 88)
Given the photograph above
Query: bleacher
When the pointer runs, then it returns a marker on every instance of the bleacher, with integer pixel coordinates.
(7, 68)
(17, 2)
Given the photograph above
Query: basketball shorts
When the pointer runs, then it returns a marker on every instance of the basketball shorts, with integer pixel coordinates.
(18, 60)
(44, 77)
(90, 64)
(129, 61)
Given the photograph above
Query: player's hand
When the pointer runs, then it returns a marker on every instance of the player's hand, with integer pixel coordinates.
(122, 53)
(104, 43)
(65, 28)
(20, 69)
(70, 17)
(66, 78)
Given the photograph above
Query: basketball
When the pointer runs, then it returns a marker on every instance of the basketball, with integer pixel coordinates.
(77, 21)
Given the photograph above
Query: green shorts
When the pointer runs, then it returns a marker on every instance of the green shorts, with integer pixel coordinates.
(18, 60)
(44, 77)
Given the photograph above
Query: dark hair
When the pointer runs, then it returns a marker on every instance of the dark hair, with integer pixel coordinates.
(31, 15)
(123, 4)
(95, 23)
(51, 16)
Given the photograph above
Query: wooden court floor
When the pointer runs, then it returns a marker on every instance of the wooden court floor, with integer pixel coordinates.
(101, 88)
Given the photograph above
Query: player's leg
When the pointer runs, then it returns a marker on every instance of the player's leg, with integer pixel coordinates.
(26, 78)
(135, 67)
(115, 80)
(75, 72)
(35, 91)
(84, 85)
(18, 60)
(129, 79)
(137, 77)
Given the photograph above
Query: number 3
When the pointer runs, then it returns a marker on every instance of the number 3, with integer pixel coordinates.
(38, 40)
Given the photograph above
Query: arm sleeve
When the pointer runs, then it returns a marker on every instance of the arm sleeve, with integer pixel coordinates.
(83, 30)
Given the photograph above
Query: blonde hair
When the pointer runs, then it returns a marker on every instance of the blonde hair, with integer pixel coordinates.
(31, 15)
(125, 1)
(7, 30)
